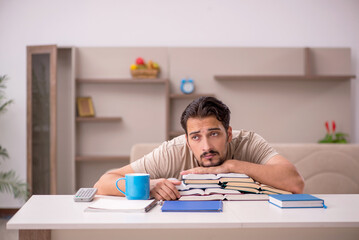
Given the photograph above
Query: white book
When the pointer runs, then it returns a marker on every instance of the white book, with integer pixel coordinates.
(200, 176)
(182, 186)
(202, 198)
(222, 191)
(195, 191)
(229, 197)
(209, 191)
(232, 175)
(247, 197)
(120, 204)
(214, 176)
(202, 186)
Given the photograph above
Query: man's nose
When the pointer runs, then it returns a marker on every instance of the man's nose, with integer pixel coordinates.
(206, 145)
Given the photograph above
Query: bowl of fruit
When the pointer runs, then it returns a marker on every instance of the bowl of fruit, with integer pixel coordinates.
(144, 70)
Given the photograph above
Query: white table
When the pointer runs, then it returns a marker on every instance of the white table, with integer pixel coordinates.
(59, 217)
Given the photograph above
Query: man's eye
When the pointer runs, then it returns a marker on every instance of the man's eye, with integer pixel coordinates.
(195, 138)
(214, 134)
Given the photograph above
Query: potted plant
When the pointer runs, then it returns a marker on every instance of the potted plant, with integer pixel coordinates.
(332, 136)
(9, 181)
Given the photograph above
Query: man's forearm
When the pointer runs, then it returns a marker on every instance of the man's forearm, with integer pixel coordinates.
(282, 176)
(106, 185)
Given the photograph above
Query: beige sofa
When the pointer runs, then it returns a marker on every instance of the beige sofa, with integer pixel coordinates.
(326, 168)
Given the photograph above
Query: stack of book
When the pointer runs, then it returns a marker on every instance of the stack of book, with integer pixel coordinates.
(201, 181)
(246, 185)
(253, 187)
(266, 189)
(225, 186)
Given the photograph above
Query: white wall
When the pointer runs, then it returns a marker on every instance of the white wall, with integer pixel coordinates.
(319, 23)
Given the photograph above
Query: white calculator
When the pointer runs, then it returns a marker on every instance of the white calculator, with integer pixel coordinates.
(85, 194)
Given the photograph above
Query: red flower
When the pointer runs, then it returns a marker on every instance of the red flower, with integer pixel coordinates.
(327, 127)
(333, 126)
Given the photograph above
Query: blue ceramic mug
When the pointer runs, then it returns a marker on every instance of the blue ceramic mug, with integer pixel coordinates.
(137, 186)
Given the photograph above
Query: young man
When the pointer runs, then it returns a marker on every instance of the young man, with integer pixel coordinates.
(208, 146)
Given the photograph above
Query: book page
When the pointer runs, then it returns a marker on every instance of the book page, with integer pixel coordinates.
(232, 175)
(199, 176)
(193, 191)
(247, 197)
(210, 191)
(202, 198)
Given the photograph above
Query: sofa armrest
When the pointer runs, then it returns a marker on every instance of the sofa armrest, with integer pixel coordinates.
(326, 168)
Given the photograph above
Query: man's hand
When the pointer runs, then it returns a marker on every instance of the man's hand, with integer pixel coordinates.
(225, 167)
(164, 189)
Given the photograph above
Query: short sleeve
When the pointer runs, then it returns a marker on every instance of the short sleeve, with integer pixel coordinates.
(258, 150)
(157, 163)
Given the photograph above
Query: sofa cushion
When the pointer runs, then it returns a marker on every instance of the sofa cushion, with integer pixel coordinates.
(326, 168)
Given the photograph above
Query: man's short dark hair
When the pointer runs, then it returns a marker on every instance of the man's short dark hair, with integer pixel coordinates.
(205, 107)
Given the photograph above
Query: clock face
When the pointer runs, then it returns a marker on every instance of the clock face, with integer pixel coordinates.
(187, 87)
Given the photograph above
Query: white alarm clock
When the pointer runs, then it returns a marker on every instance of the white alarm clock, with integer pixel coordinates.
(187, 86)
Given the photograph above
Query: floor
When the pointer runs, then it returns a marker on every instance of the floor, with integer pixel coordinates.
(6, 234)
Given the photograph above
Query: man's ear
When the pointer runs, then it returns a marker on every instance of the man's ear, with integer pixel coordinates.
(229, 134)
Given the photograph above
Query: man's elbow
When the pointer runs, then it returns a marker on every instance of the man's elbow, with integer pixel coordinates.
(100, 186)
(96, 185)
(298, 186)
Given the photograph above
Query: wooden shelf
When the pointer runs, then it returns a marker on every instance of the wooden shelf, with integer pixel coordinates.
(122, 80)
(101, 158)
(282, 77)
(329, 77)
(98, 119)
(189, 96)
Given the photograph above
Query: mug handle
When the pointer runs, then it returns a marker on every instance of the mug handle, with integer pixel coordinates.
(118, 187)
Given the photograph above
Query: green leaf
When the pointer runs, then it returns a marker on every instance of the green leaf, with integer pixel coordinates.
(341, 137)
(3, 79)
(10, 183)
(4, 105)
(3, 153)
(3, 102)
(327, 139)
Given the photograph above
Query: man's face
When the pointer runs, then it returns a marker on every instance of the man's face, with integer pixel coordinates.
(208, 140)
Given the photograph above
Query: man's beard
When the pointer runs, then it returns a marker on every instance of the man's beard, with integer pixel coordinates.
(220, 160)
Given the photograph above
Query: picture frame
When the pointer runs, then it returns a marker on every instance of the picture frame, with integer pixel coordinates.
(85, 107)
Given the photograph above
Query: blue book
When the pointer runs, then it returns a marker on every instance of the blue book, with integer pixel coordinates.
(296, 201)
(192, 206)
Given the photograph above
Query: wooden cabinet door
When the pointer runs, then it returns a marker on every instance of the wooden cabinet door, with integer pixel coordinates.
(41, 118)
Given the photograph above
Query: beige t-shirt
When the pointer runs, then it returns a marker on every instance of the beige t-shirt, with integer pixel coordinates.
(174, 156)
